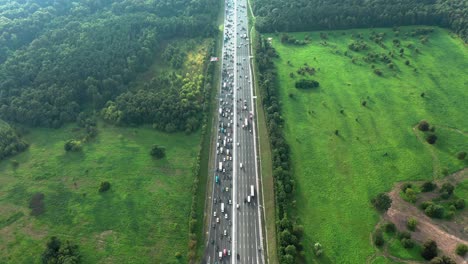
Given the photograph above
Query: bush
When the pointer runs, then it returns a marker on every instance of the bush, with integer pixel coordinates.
(434, 210)
(104, 187)
(390, 228)
(73, 145)
(428, 186)
(56, 252)
(423, 125)
(382, 202)
(318, 250)
(442, 260)
(158, 152)
(178, 254)
(406, 186)
(378, 238)
(407, 243)
(37, 204)
(411, 195)
(431, 139)
(404, 235)
(448, 188)
(306, 84)
(461, 249)
(459, 204)
(461, 155)
(429, 250)
(411, 224)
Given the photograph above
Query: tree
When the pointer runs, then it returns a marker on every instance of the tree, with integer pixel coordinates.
(442, 260)
(382, 202)
(378, 238)
(410, 194)
(158, 152)
(411, 224)
(446, 190)
(461, 155)
(428, 186)
(423, 125)
(73, 145)
(461, 249)
(459, 204)
(57, 253)
(290, 250)
(407, 243)
(431, 139)
(306, 84)
(434, 210)
(104, 187)
(429, 250)
(390, 227)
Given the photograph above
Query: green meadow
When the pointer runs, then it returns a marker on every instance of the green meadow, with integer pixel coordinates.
(143, 218)
(344, 153)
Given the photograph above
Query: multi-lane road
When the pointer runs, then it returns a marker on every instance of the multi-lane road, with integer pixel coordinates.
(235, 232)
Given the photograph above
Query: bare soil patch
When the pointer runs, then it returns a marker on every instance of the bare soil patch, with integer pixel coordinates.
(447, 234)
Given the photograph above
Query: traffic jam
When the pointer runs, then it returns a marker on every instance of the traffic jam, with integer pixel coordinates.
(224, 145)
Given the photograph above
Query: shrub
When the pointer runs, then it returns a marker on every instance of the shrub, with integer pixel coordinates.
(378, 238)
(406, 186)
(318, 250)
(411, 224)
(104, 187)
(73, 145)
(442, 260)
(306, 84)
(434, 210)
(448, 188)
(158, 152)
(428, 186)
(404, 234)
(37, 204)
(178, 254)
(461, 249)
(461, 155)
(423, 125)
(459, 204)
(382, 202)
(411, 195)
(407, 243)
(431, 139)
(390, 227)
(56, 252)
(429, 250)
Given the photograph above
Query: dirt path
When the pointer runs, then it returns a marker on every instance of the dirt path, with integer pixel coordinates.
(447, 234)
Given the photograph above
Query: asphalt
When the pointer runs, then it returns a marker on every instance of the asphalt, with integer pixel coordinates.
(236, 233)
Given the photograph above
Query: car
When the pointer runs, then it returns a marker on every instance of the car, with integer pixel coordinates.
(217, 220)
(225, 232)
(237, 206)
(229, 252)
(214, 213)
(230, 201)
(225, 216)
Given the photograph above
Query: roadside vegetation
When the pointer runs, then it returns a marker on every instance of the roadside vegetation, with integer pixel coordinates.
(356, 133)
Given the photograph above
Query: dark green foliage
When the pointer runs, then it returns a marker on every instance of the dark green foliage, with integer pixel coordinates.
(287, 39)
(36, 204)
(58, 253)
(423, 125)
(431, 139)
(448, 188)
(10, 142)
(104, 187)
(428, 186)
(459, 204)
(306, 84)
(411, 224)
(378, 238)
(382, 202)
(73, 145)
(404, 235)
(442, 260)
(58, 58)
(158, 152)
(406, 186)
(407, 243)
(434, 210)
(461, 249)
(461, 155)
(429, 250)
(390, 228)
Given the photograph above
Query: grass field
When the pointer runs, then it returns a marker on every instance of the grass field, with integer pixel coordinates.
(142, 219)
(337, 175)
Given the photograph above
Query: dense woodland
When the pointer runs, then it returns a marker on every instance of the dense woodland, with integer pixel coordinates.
(306, 15)
(59, 58)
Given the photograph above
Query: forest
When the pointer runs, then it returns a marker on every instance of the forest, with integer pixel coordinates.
(61, 58)
(306, 15)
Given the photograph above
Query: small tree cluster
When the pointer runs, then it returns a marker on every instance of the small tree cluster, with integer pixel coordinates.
(428, 186)
(411, 224)
(429, 250)
(423, 125)
(442, 260)
(446, 190)
(158, 152)
(378, 238)
(306, 84)
(57, 253)
(73, 145)
(461, 155)
(433, 210)
(104, 187)
(431, 139)
(382, 202)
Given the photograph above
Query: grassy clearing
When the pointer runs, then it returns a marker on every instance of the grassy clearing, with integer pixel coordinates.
(142, 219)
(376, 146)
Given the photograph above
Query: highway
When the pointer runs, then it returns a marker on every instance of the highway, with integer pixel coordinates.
(235, 232)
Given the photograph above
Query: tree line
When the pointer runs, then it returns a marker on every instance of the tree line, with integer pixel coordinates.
(59, 58)
(307, 15)
(10, 142)
(289, 231)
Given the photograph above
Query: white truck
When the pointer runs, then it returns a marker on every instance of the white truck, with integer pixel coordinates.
(246, 122)
(220, 166)
(252, 191)
(222, 207)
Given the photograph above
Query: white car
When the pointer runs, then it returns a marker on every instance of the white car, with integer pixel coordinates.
(214, 213)
(217, 220)
(237, 206)
(230, 202)
(225, 232)
(225, 216)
